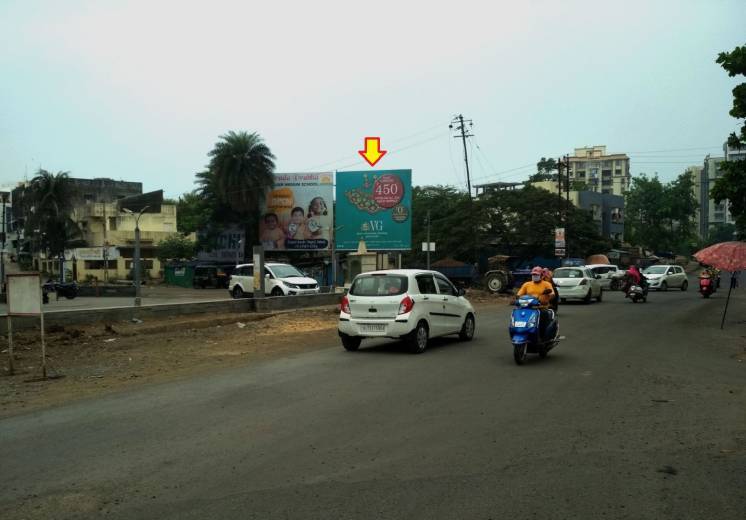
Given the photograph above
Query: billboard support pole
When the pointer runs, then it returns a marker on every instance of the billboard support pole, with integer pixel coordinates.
(259, 281)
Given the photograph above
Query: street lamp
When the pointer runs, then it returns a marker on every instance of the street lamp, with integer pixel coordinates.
(334, 258)
(136, 276)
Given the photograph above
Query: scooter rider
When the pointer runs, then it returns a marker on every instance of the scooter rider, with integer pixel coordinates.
(546, 275)
(542, 291)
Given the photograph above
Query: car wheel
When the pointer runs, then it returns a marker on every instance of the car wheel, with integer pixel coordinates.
(467, 329)
(685, 285)
(418, 338)
(351, 343)
(277, 292)
(237, 292)
(588, 296)
(663, 287)
(600, 296)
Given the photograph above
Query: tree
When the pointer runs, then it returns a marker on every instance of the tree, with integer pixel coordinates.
(192, 213)
(731, 186)
(175, 247)
(545, 169)
(48, 206)
(661, 216)
(239, 176)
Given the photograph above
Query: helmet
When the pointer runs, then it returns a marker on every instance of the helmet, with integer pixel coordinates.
(536, 270)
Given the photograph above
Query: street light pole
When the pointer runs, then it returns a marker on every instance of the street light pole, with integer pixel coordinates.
(428, 240)
(138, 299)
(334, 257)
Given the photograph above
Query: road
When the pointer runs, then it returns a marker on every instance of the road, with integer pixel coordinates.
(640, 413)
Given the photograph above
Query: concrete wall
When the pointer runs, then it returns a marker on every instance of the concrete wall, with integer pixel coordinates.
(154, 312)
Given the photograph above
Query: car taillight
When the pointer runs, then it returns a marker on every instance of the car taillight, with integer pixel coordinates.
(345, 305)
(406, 305)
(583, 282)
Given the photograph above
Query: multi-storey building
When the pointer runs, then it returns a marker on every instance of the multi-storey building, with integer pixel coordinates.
(601, 172)
(709, 214)
(607, 209)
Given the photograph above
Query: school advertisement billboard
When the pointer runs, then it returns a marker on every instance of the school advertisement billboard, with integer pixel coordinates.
(374, 206)
(298, 213)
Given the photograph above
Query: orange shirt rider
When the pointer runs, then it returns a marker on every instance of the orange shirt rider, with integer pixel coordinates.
(538, 289)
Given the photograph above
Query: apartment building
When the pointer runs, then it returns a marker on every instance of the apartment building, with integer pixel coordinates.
(601, 172)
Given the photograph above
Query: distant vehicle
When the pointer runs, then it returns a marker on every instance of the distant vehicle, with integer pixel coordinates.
(280, 280)
(210, 276)
(661, 277)
(578, 283)
(409, 304)
(611, 275)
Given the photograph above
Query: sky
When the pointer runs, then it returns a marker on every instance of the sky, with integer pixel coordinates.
(142, 90)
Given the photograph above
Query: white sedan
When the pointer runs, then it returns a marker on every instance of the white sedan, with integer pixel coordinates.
(577, 283)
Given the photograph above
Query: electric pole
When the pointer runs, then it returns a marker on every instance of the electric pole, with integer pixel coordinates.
(427, 220)
(460, 126)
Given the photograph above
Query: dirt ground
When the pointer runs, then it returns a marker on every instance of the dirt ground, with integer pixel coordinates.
(103, 358)
(83, 361)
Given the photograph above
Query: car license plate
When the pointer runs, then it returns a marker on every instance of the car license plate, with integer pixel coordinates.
(520, 323)
(372, 327)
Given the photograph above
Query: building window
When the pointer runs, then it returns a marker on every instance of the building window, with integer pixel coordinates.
(100, 264)
(88, 197)
(606, 173)
(112, 223)
(146, 264)
(606, 164)
(617, 172)
(581, 174)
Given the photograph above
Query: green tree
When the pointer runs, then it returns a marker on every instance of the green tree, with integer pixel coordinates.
(545, 169)
(237, 180)
(661, 216)
(192, 213)
(731, 186)
(175, 247)
(48, 207)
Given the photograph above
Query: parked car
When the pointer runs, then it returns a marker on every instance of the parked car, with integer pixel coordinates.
(209, 276)
(661, 277)
(611, 275)
(578, 283)
(280, 280)
(409, 304)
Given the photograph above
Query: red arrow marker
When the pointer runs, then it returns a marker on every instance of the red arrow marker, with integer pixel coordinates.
(372, 152)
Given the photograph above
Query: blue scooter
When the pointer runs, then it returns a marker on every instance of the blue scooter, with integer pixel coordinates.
(524, 330)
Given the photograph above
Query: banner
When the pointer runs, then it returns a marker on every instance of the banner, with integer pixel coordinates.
(374, 206)
(299, 213)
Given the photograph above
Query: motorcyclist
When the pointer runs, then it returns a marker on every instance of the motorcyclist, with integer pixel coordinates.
(546, 275)
(542, 291)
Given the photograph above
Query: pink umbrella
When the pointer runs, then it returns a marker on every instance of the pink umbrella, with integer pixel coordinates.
(728, 256)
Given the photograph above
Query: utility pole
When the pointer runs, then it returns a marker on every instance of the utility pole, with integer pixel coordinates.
(427, 220)
(559, 192)
(460, 123)
(2, 251)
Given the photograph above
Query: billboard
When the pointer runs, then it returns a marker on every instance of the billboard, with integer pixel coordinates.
(375, 206)
(298, 213)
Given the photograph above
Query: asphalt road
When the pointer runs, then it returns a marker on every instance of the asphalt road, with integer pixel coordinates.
(640, 413)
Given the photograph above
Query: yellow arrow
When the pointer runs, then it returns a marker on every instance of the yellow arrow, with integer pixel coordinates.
(372, 152)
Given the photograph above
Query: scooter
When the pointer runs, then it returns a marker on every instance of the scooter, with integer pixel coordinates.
(706, 287)
(637, 293)
(524, 330)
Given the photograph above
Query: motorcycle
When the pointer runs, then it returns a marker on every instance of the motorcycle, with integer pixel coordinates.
(67, 289)
(524, 330)
(706, 287)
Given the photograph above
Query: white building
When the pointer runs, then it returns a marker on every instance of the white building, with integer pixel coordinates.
(601, 172)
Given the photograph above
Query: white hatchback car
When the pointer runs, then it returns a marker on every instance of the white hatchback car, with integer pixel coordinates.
(661, 277)
(578, 283)
(408, 304)
(280, 280)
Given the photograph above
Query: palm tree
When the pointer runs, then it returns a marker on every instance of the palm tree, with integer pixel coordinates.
(239, 176)
(48, 203)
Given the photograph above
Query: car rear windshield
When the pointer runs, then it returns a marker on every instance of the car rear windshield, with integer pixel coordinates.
(568, 273)
(379, 285)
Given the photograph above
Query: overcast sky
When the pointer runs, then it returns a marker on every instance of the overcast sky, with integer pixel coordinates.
(140, 91)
